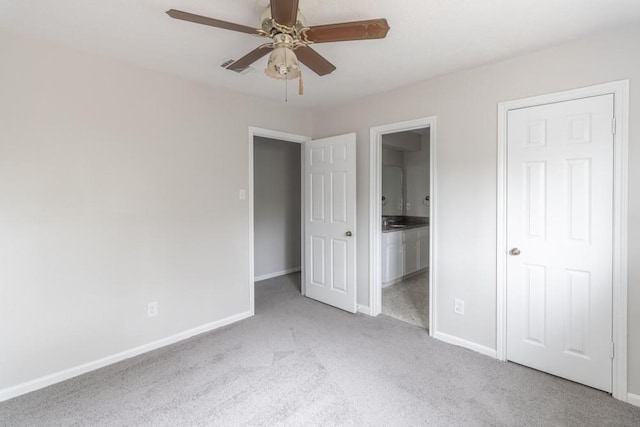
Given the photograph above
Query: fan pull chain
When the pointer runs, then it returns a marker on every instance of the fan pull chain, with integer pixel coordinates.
(300, 85)
(286, 91)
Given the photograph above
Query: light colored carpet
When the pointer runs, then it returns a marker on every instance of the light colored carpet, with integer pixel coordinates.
(300, 362)
(408, 300)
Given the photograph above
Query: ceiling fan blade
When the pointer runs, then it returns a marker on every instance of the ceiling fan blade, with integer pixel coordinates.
(284, 12)
(314, 61)
(249, 58)
(190, 17)
(347, 31)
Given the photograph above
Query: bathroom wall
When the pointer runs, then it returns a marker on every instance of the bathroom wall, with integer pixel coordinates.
(402, 141)
(392, 158)
(410, 152)
(416, 169)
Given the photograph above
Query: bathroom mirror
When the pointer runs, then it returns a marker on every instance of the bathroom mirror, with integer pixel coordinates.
(392, 190)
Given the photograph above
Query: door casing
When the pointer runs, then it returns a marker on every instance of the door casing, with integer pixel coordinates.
(620, 90)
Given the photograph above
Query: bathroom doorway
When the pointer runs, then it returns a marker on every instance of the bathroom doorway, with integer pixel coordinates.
(405, 205)
(402, 221)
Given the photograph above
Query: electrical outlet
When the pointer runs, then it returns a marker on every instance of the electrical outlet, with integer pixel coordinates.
(152, 309)
(408, 206)
(458, 306)
(242, 194)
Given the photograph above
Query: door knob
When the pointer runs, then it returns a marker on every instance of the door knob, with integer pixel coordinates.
(514, 251)
(348, 234)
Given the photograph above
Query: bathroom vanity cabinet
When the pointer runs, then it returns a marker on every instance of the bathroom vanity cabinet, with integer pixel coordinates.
(403, 253)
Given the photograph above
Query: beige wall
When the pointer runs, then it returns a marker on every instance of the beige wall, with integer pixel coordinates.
(465, 104)
(119, 186)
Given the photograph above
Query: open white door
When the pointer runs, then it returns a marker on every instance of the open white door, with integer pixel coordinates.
(330, 221)
(559, 232)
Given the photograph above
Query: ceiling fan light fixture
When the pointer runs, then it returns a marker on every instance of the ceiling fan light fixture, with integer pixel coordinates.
(283, 23)
(283, 64)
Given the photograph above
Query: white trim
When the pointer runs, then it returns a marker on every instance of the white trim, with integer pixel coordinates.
(433, 229)
(375, 212)
(450, 339)
(57, 377)
(400, 279)
(633, 399)
(303, 282)
(364, 309)
(501, 236)
(277, 274)
(620, 90)
(282, 136)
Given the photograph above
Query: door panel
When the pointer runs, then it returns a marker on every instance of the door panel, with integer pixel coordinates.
(339, 194)
(535, 306)
(559, 216)
(317, 196)
(411, 251)
(330, 255)
(535, 197)
(318, 267)
(578, 189)
(340, 268)
(392, 259)
(424, 247)
(576, 316)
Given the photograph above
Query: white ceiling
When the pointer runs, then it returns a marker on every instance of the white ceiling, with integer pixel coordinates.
(427, 37)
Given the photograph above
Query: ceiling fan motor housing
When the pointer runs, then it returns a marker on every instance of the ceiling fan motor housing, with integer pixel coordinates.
(272, 28)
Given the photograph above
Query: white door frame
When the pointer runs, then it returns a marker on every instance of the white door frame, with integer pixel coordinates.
(620, 90)
(282, 136)
(375, 213)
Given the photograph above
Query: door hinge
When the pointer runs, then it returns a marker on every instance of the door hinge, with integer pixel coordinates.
(613, 125)
(613, 352)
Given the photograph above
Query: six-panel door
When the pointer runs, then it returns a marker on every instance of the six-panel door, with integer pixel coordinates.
(330, 221)
(559, 234)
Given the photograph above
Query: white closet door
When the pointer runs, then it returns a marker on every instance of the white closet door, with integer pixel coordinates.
(560, 227)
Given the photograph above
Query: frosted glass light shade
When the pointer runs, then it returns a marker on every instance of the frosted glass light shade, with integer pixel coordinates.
(282, 64)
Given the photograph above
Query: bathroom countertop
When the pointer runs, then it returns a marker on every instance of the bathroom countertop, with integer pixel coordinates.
(406, 227)
(407, 222)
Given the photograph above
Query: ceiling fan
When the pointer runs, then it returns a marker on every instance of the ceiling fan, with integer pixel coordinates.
(283, 23)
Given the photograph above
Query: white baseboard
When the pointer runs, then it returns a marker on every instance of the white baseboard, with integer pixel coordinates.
(364, 309)
(487, 351)
(633, 399)
(391, 283)
(276, 274)
(57, 377)
(408, 276)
